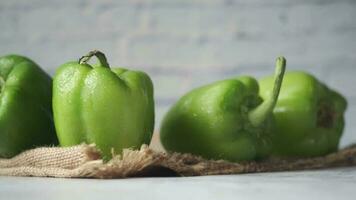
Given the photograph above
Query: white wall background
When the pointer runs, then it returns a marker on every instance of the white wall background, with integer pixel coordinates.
(187, 43)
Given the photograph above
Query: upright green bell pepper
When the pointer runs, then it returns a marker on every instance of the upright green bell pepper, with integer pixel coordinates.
(112, 108)
(223, 120)
(25, 106)
(309, 116)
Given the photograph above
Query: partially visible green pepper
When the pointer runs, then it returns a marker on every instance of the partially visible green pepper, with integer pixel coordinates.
(25, 106)
(112, 108)
(309, 116)
(223, 120)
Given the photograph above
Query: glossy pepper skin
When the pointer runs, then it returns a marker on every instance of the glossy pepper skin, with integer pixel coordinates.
(309, 116)
(25, 106)
(112, 108)
(223, 120)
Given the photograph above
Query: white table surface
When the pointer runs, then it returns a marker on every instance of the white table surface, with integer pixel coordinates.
(319, 184)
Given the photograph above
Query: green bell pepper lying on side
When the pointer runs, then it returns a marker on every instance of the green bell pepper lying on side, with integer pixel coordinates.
(224, 120)
(25, 106)
(309, 116)
(112, 108)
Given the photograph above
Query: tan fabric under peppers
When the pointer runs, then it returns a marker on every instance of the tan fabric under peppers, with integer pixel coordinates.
(84, 161)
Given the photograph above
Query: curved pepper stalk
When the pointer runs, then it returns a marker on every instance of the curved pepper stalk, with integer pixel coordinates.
(258, 115)
(99, 55)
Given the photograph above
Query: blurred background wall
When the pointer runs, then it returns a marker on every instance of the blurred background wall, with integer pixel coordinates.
(186, 43)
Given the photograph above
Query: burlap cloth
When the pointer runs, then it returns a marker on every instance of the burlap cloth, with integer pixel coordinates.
(84, 161)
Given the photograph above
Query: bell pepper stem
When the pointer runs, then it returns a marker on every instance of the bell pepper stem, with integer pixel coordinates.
(258, 115)
(100, 56)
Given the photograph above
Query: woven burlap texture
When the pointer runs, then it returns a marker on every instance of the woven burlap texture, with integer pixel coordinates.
(84, 161)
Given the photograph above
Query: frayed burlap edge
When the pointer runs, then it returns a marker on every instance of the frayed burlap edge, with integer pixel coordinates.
(84, 161)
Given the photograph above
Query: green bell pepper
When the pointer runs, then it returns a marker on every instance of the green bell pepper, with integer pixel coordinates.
(223, 120)
(112, 108)
(25, 106)
(309, 116)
